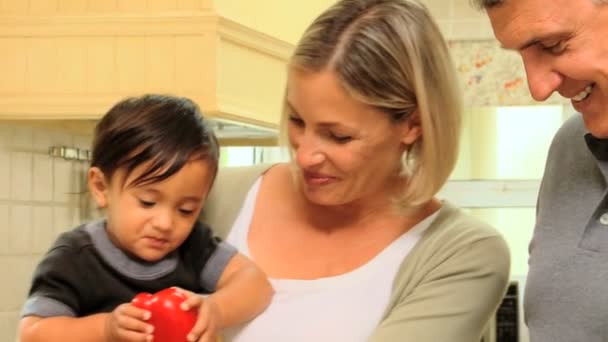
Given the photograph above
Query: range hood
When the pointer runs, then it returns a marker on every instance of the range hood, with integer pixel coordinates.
(74, 67)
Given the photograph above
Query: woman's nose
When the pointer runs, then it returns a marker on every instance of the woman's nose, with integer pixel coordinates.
(309, 153)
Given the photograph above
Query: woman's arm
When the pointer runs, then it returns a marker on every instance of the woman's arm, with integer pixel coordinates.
(455, 300)
(125, 324)
(62, 329)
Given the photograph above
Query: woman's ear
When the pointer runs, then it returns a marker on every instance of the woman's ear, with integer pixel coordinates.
(98, 186)
(412, 129)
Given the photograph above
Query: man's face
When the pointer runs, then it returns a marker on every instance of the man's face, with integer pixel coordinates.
(564, 47)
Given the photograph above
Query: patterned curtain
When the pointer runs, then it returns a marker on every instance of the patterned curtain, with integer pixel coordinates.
(492, 76)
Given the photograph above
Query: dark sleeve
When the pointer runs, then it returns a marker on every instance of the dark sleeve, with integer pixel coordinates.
(214, 255)
(57, 286)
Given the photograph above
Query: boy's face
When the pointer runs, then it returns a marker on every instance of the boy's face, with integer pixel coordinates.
(149, 221)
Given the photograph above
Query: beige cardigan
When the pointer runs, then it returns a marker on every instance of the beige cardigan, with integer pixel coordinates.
(448, 287)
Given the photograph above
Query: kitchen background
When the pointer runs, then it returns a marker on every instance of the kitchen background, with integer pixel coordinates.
(64, 62)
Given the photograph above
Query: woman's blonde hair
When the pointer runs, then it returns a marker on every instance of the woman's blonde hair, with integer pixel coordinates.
(390, 54)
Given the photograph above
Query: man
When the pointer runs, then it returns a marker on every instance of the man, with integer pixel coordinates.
(564, 47)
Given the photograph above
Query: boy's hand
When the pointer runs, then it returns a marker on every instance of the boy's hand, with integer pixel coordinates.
(209, 320)
(127, 323)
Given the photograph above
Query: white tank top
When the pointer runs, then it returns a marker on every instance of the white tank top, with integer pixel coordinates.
(345, 307)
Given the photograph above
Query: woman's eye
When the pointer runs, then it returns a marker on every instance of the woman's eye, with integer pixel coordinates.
(296, 121)
(341, 138)
(146, 204)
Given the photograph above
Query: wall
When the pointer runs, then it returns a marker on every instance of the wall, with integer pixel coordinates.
(38, 200)
(285, 20)
(459, 20)
(288, 19)
(497, 146)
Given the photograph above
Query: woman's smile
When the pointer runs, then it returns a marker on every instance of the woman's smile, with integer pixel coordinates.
(317, 179)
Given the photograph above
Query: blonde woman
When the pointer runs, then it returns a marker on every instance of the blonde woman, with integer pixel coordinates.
(356, 244)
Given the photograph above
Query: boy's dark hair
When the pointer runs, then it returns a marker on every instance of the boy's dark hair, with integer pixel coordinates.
(165, 130)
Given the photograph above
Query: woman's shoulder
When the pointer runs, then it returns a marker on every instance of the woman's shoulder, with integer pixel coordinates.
(457, 240)
(459, 262)
(452, 224)
(231, 175)
(227, 195)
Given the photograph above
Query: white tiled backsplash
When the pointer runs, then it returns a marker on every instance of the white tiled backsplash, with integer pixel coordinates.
(458, 20)
(40, 197)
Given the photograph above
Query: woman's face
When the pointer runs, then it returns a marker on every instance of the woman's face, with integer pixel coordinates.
(345, 151)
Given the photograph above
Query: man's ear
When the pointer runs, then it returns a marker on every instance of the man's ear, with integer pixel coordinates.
(98, 186)
(412, 129)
